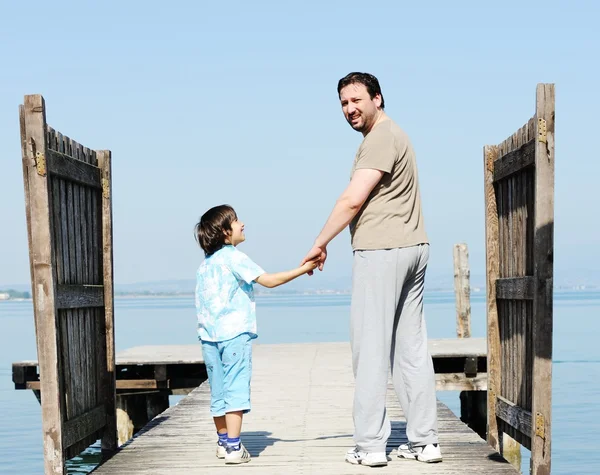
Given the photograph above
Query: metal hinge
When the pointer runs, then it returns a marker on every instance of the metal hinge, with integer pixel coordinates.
(40, 163)
(542, 131)
(105, 188)
(539, 425)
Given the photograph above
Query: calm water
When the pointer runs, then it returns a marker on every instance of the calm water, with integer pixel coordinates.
(576, 390)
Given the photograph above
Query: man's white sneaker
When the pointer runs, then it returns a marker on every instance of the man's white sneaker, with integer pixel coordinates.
(221, 451)
(370, 459)
(237, 456)
(423, 453)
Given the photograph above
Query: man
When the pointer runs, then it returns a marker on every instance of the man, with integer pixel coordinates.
(382, 205)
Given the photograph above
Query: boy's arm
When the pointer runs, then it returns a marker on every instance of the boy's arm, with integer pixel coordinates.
(279, 278)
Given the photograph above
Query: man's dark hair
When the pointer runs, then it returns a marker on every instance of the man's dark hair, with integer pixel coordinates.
(211, 229)
(367, 80)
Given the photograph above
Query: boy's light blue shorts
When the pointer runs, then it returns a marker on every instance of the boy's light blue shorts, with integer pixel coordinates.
(229, 367)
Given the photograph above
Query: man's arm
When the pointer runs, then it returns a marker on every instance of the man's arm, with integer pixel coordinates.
(346, 208)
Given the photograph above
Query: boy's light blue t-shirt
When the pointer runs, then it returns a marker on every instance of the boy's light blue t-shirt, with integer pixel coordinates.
(224, 295)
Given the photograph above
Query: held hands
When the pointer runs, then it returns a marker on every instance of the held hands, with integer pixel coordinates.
(309, 266)
(317, 254)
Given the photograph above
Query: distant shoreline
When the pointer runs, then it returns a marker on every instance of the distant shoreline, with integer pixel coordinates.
(298, 293)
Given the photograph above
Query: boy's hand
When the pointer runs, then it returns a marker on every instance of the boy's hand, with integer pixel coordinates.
(318, 253)
(310, 265)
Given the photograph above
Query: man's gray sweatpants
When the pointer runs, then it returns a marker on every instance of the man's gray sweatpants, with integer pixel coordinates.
(387, 329)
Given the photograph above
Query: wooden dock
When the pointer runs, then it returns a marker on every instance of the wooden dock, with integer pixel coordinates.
(147, 375)
(459, 364)
(301, 422)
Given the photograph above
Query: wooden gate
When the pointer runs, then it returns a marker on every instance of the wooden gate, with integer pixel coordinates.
(519, 193)
(69, 222)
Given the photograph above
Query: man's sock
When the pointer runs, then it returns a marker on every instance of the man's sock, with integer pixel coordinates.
(233, 443)
(222, 439)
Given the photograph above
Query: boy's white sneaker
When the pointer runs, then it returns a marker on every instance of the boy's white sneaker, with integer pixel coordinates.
(370, 459)
(237, 456)
(423, 453)
(221, 451)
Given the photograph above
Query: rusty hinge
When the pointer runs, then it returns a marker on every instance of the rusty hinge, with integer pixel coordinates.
(539, 425)
(105, 188)
(542, 131)
(40, 163)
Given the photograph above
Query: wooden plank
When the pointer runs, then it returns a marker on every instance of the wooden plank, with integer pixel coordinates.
(514, 415)
(84, 197)
(457, 347)
(192, 354)
(84, 425)
(69, 220)
(462, 290)
(40, 254)
(27, 162)
(66, 358)
(90, 332)
(515, 161)
(138, 384)
(109, 438)
(543, 275)
(459, 382)
(77, 322)
(64, 233)
(57, 230)
(490, 154)
(79, 296)
(120, 384)
(72, 350)
(516, 288)
(62, 165)
(310, 439)
(160, 354)
(26, 363)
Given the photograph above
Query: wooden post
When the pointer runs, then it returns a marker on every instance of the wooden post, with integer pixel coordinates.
(109, 439)
(462, 290)
(511, 450)
(44, 292)
(156, 403)
(27, 164)
(490, 153)
(473, 411)
(133, 415)
(543, 280)
(134, 411)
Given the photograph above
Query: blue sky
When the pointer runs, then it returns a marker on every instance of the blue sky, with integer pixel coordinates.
(235, 102)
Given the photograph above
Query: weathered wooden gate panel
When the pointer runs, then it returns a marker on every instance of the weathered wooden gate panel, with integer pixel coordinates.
(519, 187)
(68, 208)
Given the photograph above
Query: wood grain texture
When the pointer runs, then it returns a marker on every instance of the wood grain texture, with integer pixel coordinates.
(543, 275)
(300, 423)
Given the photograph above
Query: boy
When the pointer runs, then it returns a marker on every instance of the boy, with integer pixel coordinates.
(227, 321)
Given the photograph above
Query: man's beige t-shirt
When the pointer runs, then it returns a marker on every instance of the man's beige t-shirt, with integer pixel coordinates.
(392, 216)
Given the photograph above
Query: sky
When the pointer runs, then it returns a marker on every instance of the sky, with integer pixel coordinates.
(235, 102)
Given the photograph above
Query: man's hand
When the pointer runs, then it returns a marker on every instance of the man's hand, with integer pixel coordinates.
(317, 252)
(309, 266)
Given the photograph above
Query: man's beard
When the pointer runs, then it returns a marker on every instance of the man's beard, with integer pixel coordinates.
(358, 127)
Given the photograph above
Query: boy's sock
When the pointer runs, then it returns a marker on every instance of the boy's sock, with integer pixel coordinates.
(233, 443)
(222, 439)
